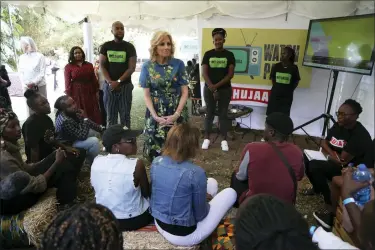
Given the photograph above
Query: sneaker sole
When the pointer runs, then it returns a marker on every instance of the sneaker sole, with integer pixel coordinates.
(322, 222)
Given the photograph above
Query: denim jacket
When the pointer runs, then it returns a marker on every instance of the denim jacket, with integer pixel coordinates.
(178, 192)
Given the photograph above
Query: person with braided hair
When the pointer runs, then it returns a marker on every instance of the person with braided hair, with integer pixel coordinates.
(265, 222)
(88, 226)
(285, 78)
(218, 70)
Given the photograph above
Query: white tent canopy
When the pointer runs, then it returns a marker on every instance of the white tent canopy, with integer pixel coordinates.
(145, 13)
(190, 17)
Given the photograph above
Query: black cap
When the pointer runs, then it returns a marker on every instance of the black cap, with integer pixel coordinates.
(281, 122)
(115, 133)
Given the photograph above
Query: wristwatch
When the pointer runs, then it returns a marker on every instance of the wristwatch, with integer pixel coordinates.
(119, 81)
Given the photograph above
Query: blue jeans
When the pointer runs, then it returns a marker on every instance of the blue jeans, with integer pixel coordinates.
(91, 145)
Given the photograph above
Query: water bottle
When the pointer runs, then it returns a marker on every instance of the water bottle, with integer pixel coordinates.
(363, 195)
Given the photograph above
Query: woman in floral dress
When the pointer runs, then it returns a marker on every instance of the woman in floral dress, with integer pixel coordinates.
(164, 81)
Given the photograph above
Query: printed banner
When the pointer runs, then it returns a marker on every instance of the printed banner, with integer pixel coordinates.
(256, 50)
(259, 96)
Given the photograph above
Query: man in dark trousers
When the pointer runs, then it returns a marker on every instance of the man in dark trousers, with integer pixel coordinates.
(117, 61)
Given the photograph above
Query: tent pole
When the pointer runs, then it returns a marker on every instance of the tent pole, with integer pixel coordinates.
(88, 40)
(12, 32)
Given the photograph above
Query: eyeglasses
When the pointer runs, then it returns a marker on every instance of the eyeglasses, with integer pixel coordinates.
(343, 114)
(130, 140)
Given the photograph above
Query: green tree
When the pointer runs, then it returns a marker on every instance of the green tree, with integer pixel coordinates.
(11, 30)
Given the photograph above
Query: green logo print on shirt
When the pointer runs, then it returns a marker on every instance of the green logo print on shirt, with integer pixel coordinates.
(218, 62)
(116, 56)
(283, 78)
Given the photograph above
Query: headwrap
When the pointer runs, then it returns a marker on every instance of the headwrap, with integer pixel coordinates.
(5, 116)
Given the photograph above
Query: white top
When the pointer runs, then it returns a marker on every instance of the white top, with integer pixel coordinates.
(32, 68)
(113, 181)
(327, 240)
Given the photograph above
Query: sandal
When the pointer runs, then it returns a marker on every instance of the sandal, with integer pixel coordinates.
(308, 191)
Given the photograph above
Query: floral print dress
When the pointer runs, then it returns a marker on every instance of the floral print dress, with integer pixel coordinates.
(164, 82)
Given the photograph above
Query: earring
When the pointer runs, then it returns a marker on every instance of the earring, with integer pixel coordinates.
(118, 150)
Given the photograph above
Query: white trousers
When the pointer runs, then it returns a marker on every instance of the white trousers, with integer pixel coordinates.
(219, 206)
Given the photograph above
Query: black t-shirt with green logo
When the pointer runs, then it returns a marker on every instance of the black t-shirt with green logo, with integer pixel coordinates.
(218, 65)
(286, 79)
(118, 54)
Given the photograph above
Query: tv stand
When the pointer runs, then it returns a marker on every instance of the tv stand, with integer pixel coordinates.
(327, 116)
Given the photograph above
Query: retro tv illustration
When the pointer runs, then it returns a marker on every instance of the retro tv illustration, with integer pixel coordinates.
(248, 59)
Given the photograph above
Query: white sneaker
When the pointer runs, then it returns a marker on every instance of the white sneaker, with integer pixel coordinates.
(262, 140)
(205, 144)
(224, 146)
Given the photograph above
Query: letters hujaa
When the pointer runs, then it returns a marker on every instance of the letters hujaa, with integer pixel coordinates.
(250, 94)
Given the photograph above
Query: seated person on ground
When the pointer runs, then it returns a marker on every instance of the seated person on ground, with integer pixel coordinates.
(85, 227)
(53, 171)
(363, 222)
(347, 141)
(120, 182)
(38, 132)
(265, 222)
(72, 127)
(337, 183)
(180, 189)
(262, 170)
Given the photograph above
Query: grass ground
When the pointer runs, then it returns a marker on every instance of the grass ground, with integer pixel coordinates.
(217, 164)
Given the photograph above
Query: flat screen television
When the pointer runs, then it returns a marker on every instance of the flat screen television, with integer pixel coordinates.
(343, 44)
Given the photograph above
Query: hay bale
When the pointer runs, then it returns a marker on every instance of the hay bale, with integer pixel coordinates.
(38, 217)
(149, 240)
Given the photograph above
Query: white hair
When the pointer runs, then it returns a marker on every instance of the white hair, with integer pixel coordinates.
(30, 42)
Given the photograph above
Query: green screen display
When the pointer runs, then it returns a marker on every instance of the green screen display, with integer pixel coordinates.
(345, 44)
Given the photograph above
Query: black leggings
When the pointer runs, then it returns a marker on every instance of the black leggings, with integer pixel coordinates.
(319, 172)
(136, 222)
(64, 179)
(239, 186)
(225, 96)
(102, 108)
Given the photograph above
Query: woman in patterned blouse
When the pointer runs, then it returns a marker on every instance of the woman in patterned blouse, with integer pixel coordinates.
(164, 81)
(81, 84)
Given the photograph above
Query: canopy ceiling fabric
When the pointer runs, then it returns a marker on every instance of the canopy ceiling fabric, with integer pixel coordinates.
(77, 10)
(152, 15)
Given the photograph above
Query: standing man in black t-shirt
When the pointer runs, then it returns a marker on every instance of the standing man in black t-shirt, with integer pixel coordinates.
(117, 61)
(285, 78)
(218, 70)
